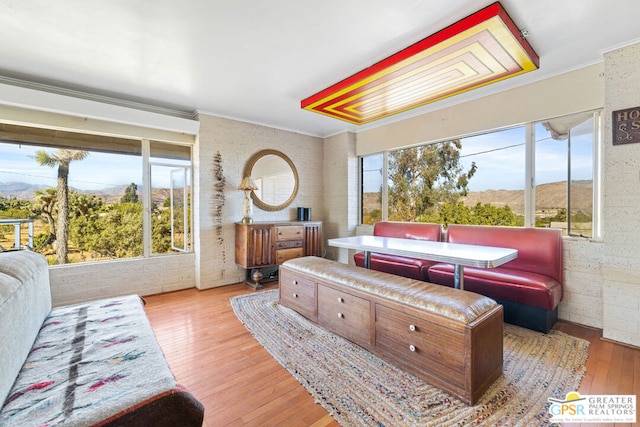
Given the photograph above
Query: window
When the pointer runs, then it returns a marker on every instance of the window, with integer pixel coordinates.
(489, 178)
(495, 192)
(371, 188)
(564, 149)
(107, 190)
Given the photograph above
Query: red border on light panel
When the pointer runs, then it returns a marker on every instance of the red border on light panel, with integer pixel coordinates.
(480, 49)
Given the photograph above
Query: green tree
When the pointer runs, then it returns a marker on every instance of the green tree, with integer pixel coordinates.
(130, 194)
(62, 159)
(423, 178)
(161, 227)
(46, 206)
(84, 210)
(452, 213)
(16, 208)
(116, 232)
(487, 214)
(480, 214)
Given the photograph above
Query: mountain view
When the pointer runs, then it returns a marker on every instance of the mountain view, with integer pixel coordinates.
(549, 197)
(24, 191)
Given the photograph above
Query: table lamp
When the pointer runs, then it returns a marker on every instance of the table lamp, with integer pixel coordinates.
(247, 185)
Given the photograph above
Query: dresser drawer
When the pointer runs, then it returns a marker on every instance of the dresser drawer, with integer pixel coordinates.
(298, 293)
(287, 244)
(345, 314)
(420, 345)
(289, 232)
(283, 255)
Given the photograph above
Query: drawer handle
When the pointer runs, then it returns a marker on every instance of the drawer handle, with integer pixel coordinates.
(412, 327)
(295, 282)
(340, 299)
(340, 315)
(295, 295)
(412, 347)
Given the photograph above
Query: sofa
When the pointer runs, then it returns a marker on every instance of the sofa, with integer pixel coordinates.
(88, 364)
(529, 287)
(402, 266)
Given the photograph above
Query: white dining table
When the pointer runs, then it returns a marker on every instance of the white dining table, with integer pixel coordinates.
(460, 255)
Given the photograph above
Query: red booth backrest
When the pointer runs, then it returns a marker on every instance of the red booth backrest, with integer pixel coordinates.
(539, 249)
(408, 230)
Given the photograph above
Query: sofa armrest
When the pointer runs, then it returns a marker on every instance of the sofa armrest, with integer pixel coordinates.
(25, 301)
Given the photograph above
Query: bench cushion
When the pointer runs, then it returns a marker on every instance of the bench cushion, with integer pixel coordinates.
(454, 304)
(412, 268)
(539, 249)
(502, 283)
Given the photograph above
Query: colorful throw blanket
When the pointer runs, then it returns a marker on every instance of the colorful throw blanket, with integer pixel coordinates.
(91, 364)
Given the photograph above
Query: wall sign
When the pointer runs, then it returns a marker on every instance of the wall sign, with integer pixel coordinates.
(626, 126)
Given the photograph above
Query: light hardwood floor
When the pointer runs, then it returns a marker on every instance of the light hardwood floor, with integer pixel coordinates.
(214, 356)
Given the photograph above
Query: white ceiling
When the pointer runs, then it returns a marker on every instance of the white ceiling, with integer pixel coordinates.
(255, 60)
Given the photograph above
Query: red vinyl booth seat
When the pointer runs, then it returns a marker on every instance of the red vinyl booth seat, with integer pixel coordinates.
(529, 287)
(402, 266)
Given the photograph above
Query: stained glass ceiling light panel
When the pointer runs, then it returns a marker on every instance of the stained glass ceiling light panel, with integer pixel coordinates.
(482, 48)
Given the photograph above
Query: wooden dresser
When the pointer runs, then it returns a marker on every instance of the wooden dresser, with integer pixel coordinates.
(267, 244)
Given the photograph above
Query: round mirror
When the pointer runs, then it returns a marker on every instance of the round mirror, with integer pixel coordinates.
(276, 178)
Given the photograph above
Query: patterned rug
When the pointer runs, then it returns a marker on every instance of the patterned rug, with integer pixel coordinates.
(359, 389)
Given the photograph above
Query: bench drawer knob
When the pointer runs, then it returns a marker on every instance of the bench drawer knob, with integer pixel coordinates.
(295, 282)
(340, 315)
(412, 347)
(295, 295)
(412, 327)
(340, 299)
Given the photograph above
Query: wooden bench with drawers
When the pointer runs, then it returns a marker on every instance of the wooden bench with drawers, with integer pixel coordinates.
(449, 337)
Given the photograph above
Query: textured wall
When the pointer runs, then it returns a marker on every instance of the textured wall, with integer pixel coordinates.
(341, 191)
(583, 282)
(143, 276)
(237, 141)
(621, 221)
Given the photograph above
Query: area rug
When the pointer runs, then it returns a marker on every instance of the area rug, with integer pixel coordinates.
(359, 389)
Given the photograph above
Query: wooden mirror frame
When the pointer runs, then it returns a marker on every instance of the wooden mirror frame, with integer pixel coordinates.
(247, 172)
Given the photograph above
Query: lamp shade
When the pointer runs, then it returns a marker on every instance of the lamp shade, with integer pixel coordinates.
(247, 184)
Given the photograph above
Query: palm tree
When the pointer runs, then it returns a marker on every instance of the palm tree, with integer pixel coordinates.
(62, 159)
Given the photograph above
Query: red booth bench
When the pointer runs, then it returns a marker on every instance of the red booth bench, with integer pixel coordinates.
(529, 287)
(402, 266)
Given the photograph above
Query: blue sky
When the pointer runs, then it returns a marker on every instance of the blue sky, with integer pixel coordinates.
(499, 157)
(97, 171)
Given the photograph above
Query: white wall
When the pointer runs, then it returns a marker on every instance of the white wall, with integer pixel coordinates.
(237, 141)
(341, 191)
(621, 222)
(72, 283)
